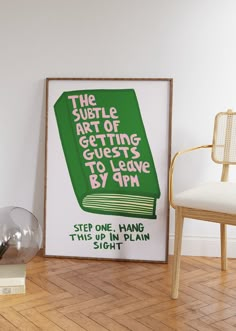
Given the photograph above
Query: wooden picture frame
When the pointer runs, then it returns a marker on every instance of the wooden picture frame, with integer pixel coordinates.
(107, 160)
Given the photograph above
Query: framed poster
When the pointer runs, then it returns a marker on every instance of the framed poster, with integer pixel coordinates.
(107, 161)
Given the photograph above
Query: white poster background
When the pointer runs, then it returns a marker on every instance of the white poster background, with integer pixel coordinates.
(62, 210)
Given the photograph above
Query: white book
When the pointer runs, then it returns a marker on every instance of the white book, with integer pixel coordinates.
(12, 278)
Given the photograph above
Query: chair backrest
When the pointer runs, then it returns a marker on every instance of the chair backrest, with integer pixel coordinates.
(224, 138)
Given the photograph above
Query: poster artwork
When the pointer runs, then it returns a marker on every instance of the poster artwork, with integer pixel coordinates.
(107, 152)
(107, 168)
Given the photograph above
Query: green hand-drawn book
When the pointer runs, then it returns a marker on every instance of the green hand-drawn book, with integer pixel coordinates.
(107, 152)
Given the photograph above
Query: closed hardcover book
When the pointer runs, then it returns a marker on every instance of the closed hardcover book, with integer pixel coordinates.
(107, 152)
(12, 279)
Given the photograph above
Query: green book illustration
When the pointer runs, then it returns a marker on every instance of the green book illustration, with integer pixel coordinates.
(107, 152)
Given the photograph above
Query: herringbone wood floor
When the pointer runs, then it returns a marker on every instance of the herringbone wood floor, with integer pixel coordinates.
(70, 294)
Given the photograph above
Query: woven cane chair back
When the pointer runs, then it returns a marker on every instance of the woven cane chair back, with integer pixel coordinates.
(224, 139)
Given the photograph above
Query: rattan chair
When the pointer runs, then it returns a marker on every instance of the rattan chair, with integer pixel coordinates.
(215, 201)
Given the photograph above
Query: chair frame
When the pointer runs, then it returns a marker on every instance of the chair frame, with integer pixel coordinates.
(184, 212)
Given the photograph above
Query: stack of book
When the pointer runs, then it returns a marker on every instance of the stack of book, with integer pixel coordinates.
(12, 279)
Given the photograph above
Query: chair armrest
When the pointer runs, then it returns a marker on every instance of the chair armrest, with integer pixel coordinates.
(171, 170)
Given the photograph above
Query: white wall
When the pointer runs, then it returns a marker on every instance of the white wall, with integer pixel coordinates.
(192, 41)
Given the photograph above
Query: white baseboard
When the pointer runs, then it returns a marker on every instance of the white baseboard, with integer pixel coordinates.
(203, 246)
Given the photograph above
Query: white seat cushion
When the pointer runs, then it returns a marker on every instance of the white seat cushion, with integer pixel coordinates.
(216, 196)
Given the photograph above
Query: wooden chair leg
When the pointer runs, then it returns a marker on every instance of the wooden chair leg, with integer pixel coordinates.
(179, 220)
(223, 236)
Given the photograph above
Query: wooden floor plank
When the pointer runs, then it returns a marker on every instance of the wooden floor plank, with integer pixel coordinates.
(48, 301)
(86, 304)
(163, 306)
(6, 325)
(197, 295)
(131, 307)
(131, 324)
(231, 320)
(17, 319)
(62, 303)
(153, 324)
(62, 321)
(109, 323)
(201, 326)
(85, 322)
(215, 307)
(223, 326)
(38, 319)
(108, 306)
